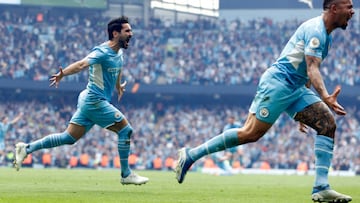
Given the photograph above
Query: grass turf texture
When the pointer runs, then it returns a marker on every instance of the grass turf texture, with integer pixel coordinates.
(78, 185)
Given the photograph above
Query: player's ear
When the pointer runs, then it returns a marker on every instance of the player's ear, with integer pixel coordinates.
(115, 33)
(334, 7)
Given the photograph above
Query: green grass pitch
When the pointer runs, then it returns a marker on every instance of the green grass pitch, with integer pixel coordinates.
(80, 185)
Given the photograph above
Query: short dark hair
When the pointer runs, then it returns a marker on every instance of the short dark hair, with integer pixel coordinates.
(116, 25)
(327, 4)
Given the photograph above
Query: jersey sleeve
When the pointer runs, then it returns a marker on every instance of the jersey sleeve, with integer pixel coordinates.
(314, 44)
(5, 127)
(95, 56)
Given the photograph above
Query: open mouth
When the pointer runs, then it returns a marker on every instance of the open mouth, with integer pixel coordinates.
(127, 42)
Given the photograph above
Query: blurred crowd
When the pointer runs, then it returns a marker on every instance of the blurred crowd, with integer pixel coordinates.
(34, 44)
(160, 130)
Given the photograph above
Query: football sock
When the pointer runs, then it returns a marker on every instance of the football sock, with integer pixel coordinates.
(227, 139)
(124, 149)
(52, 140)
(323, 156)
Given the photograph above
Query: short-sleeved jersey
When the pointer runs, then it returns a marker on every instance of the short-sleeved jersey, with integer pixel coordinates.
(310, 39)
(105, 66)
(3, 129)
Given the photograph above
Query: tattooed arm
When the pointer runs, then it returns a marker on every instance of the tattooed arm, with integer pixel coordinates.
(313, 71)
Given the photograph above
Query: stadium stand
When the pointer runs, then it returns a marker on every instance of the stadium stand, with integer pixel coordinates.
(199, 54)
(158, 134)
(190, 52)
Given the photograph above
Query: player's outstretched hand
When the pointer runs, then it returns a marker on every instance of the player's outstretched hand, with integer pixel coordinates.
(121, 90)
(55, 78)
(302, 127)
(331, 101)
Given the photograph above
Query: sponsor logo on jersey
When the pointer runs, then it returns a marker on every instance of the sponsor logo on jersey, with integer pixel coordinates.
(114, 70)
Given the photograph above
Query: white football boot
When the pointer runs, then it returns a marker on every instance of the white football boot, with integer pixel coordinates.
(20, 154)
(135, 179)
(330, 196)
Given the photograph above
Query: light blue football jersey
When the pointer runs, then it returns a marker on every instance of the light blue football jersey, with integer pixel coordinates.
(311, 39)
(3, 129)
(105, 65)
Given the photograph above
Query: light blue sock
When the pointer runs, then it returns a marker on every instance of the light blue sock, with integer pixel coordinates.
(323, 156)
(227, 139)
(50, 141)
(124, 149)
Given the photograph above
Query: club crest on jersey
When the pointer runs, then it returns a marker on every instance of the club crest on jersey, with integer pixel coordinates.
(264, 112)
(314, 42)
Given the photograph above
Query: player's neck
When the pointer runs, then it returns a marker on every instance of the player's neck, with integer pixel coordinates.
(329, 25)
(114, 45)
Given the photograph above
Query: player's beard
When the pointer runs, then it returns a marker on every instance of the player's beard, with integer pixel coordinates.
(124, 43)
(344, 26)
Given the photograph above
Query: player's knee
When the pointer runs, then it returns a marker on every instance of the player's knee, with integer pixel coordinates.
(68, 139)
(253, 138)
(126, 132)
(248, 137)
(326, 126)
(328, 129)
